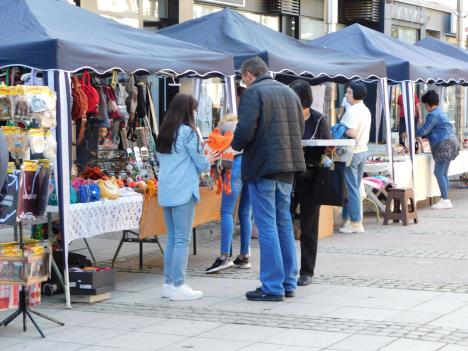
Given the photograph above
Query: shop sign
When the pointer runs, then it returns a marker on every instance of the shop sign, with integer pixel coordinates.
(237, 3)
(409, 15)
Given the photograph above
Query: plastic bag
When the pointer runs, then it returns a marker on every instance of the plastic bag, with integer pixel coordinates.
(50, 149)
(5, 103)
(36, 141)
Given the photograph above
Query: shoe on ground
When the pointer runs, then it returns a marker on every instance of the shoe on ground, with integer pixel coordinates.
(289, 294)
(166, 290)
(304, 280)
(443, 204)
(260, 295)
(243, 263)
(184, 293)
(352, 227)
(220, 264)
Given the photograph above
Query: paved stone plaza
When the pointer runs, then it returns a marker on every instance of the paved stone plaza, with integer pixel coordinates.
(391, 288)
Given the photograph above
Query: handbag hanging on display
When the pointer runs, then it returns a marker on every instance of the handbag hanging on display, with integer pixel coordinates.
(91, 93)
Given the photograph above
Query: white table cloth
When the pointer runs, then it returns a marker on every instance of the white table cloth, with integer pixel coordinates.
(105, 216)
(425, 182)
(460, 164)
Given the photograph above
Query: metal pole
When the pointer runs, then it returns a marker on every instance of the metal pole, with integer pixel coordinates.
(140, 14)
(460, 91)
(330, 9)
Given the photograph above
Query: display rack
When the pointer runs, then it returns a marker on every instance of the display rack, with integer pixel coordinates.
(29, 276)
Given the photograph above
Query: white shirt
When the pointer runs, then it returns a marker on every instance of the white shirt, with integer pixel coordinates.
(358, 117)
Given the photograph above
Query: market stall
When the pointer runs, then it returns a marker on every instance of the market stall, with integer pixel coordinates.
(406, 65)
(230, 32)
(58, 39)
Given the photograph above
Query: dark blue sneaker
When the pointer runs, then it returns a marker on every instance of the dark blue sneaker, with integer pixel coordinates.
(260, 295)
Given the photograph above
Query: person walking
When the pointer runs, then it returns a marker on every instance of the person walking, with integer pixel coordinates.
(444, 144)
(269, 131)
(316, 127)
(181, 160)
(239, 192)
(358, 120)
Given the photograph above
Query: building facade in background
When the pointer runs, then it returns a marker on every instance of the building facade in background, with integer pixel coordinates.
(407, 20)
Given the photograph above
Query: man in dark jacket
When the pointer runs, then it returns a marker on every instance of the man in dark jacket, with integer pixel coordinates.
(269, 131)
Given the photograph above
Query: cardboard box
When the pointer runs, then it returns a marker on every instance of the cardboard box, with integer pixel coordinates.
(326, 221)
(92, 283)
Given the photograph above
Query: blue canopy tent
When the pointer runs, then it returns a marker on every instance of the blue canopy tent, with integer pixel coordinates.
(406, 64)
(58, 38)
(443, 48)
(230, 32)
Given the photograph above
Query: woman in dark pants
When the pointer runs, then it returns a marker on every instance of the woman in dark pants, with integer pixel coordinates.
(316, 127)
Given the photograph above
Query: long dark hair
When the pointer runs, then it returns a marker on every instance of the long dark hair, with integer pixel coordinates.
(302, 88)
(180, 112)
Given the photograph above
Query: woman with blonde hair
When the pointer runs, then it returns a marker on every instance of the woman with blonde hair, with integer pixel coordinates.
(228, 206)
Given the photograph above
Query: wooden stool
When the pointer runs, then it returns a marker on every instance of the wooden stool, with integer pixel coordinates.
(404, 206)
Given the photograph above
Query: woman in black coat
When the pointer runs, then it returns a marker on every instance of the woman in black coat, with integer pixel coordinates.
(316, 127)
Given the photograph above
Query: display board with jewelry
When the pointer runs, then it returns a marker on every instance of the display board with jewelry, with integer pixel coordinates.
(115, 135)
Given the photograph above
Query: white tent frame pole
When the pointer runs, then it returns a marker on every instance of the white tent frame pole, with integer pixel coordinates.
(408, 106)
(233, 93)
(385, 104)
(60, 82)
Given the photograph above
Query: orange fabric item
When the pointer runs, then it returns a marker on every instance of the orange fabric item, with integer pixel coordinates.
(219, 142)
(227, 182)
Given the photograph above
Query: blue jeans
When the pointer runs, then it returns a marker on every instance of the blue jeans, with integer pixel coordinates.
(440, 172)
(352, 210)
(271, 209)
(179, 221)
(228, 205)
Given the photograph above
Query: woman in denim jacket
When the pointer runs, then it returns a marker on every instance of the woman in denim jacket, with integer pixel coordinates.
(239, 193)
(181, 160)
(443, 141)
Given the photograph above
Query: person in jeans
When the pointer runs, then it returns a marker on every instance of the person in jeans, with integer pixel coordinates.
(358, 120)
(316, 127)
(269, 131)
(239, 191)
(181, 160)
(443, 141)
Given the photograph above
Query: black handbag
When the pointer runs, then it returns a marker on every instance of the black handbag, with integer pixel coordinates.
(330, 187)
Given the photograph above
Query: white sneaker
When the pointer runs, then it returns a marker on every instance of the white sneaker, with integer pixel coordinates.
(352, 227)
(443, 204)
(184, 293)
(166, 290)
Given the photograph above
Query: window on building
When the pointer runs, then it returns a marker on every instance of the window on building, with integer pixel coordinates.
(269, 21)
(201, 10)
(433, 33)
(409, 35)
(151, 8)
(117, 6)
(311, 28)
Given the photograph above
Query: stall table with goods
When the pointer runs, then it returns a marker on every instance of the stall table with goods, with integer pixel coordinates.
(425, 183)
